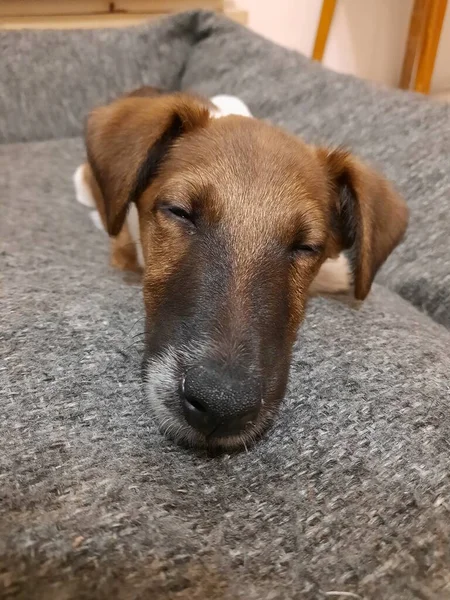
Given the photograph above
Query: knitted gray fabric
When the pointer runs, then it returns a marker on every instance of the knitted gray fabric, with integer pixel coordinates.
(50, 79)
(348, 492)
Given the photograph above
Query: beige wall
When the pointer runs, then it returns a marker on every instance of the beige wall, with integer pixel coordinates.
(367, 36)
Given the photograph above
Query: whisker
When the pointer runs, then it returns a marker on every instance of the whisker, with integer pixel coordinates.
(123, 351)
(142, 333)
(134, 325)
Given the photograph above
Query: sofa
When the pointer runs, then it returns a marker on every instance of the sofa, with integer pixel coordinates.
(348, 495)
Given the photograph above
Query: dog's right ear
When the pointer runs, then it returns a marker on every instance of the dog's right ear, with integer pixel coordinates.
(126, 142)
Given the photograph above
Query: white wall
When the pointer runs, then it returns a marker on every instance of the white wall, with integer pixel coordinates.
(367, 37)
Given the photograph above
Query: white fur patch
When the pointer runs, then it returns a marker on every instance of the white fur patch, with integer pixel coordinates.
(83, 192)
(334, 277)
(229, 105)
(133, 228)
(160, 386)
(96, 219)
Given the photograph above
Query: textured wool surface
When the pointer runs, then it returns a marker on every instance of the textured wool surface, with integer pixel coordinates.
(50, 79)
(350, 489)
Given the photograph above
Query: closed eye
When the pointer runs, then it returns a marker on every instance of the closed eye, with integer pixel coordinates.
(179, 213)
(298, 250)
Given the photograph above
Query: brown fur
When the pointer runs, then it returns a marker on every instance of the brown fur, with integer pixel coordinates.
(123, 253)
(381, 215)
(119, 136)
(245, 201)
(302, 192)
(275, 207)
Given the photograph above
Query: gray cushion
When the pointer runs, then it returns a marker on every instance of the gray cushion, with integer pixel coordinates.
(49, 80)
(404, 135)
(348, 492)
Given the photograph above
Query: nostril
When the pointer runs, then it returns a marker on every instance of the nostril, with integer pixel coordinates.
(190, 399)
(195, 411)
(196, 404)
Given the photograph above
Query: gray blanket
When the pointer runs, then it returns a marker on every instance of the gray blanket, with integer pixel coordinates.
(349, 492)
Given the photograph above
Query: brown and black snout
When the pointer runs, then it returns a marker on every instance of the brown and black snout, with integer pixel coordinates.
(217, 402)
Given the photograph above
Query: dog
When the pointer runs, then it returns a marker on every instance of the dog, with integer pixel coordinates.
(234, 224)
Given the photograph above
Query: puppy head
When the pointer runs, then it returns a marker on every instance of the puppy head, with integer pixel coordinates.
(236, 219)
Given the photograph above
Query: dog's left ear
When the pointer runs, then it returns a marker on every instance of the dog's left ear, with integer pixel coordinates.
(369, 216)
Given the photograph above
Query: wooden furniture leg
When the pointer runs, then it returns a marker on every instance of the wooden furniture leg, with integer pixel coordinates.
(415, 35)
(427, 56)
(326, 17)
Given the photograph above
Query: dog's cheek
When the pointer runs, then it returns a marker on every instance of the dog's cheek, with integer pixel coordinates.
(301, 276)
(165, 247)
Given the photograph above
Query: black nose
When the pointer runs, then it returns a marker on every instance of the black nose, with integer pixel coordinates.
(219, 403)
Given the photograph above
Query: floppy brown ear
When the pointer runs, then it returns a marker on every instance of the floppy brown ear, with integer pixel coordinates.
(126, 142)
(370, 217)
